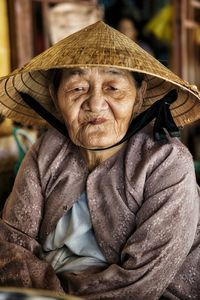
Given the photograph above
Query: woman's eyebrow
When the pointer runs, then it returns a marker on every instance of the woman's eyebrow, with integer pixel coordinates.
(80, 71)
(114, 71)
(76, 71)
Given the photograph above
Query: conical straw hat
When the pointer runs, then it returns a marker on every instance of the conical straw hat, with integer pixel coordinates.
(95, 45)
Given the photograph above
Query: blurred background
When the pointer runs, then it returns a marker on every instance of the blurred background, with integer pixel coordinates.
(168, 29)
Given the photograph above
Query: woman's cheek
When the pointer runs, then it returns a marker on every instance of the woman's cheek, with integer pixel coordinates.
(123, 113)
(73, 129)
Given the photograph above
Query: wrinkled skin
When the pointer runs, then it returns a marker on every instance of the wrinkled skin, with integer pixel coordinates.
(97, 105)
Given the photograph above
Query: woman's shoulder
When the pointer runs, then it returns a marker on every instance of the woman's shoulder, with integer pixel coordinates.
(145, 139)
(50, 145)
(54, 134)
(51, 139)
(147, 150)
(146, 158)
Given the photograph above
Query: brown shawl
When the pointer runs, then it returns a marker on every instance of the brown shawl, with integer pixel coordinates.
(144, 207)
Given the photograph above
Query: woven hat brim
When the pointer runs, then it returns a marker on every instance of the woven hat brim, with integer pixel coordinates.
(96, 45)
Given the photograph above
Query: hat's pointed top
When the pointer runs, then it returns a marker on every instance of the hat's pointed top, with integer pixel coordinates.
(96, 44)
(99, 23)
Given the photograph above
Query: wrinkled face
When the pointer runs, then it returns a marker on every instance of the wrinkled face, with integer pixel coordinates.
(97, 105)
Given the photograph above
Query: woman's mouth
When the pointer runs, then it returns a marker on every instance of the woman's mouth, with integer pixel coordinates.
(97, 121)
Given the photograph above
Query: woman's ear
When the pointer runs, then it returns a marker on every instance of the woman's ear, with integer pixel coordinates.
(52, 92)
(143, 88)
(54, 98)
(53, 95)
(139, 98)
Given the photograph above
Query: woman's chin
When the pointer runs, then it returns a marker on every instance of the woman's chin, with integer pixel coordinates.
(99, 144)
(94, 141)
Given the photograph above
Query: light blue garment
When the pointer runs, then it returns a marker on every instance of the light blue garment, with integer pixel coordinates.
(72, 246)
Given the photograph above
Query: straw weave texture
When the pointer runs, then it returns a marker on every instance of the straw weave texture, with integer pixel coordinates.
(95, 45)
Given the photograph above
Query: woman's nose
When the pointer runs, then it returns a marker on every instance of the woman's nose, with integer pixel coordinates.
(96, 101)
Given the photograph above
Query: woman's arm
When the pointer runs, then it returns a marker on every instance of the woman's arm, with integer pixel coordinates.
(166, 225)
(19, 228)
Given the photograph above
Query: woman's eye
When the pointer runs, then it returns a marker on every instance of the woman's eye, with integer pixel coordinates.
(79, 89)
(112, 88)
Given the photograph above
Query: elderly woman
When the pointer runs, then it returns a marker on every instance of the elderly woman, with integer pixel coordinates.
(105, 205)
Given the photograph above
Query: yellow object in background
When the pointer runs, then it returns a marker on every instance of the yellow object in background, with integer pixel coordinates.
(6, 128)
(197, 35)
(161, 24)
(4, 40)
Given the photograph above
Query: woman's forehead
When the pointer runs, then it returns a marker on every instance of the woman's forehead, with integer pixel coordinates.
(100, 70)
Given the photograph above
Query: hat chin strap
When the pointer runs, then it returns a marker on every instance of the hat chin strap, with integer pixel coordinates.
(45, 114)
(159, 110)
